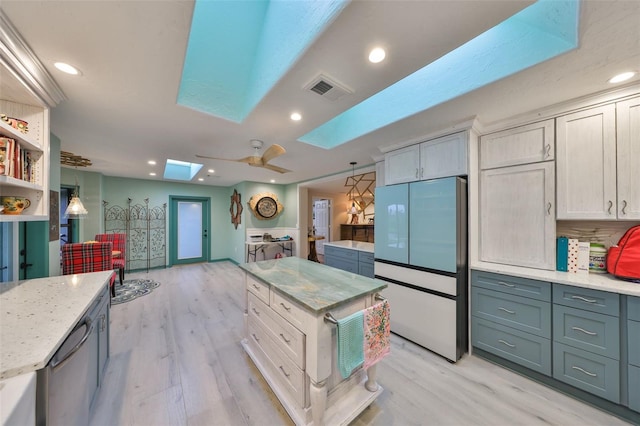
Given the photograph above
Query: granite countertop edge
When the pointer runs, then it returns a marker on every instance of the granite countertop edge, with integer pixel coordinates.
(594, 281)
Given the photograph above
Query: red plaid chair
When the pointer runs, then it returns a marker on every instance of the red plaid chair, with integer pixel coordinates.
(119, 242)
(78, 258)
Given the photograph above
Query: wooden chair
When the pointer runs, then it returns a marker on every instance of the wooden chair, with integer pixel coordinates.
(78, 258)
(119, 257)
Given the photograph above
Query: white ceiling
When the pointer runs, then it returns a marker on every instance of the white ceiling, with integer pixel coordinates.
(122, 111)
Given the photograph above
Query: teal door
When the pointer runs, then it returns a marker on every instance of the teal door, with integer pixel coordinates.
(392, 223)
(33, 249)
(189, 229)
(433, 223)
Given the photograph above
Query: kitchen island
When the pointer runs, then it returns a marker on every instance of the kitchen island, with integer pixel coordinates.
(294, 346)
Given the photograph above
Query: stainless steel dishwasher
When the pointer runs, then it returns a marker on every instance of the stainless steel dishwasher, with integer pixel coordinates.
(62, 397)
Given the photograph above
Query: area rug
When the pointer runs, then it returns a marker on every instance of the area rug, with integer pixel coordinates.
(132, 289)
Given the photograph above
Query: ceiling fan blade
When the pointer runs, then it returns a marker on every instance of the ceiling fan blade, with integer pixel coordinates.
(276, 168)
(272, 152)
(249, 160)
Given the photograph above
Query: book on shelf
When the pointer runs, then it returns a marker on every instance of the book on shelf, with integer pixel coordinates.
(5, 149)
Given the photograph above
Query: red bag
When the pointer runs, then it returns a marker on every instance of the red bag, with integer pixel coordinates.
(623, 260)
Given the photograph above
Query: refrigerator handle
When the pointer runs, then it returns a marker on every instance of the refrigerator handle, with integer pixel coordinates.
(57, 364)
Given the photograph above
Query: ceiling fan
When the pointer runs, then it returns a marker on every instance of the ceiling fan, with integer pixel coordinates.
(256, 160)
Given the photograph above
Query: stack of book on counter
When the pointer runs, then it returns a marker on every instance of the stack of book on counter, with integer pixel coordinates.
(572, 255)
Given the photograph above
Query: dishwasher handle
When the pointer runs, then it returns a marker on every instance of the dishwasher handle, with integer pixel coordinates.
(57, 364)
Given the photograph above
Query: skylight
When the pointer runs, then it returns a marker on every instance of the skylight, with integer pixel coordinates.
(538, 33)
(180, 170)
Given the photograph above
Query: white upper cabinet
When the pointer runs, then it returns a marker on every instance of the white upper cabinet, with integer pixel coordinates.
(517, 215)
(442, 157)
(628, 150)
(586, 164)
(522, 145)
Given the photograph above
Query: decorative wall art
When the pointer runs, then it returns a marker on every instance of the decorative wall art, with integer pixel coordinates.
(236, 209)
(265, 206)
(146, 232)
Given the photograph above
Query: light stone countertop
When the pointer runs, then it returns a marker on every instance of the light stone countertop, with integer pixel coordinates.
(37, 315)
(595, 281)
(317, 287)
(354, 245)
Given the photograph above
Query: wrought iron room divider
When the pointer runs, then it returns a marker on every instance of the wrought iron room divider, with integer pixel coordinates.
(146, 230)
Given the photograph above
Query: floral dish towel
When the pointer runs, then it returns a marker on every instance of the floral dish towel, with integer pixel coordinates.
(377, 330)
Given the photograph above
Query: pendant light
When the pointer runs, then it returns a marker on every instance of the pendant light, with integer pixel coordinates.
(75, 209)
(353, 211)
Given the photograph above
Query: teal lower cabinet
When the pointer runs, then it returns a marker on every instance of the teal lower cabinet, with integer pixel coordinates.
(581, 341)
(350, 260)
(365, 264)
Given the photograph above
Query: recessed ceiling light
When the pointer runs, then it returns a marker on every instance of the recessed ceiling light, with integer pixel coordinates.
(272, 181)
(69, 69)
(201, 179)
(152, 174)
(211, 171)
(296, 116)
(153, 163)
(377, 55)
(622, 77)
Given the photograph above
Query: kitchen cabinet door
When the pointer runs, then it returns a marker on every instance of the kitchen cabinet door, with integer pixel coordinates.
(444, 157)
(392, 223)
(517, 220)
(522, 145)
(586, 164)
(628, 160)
(402, 165)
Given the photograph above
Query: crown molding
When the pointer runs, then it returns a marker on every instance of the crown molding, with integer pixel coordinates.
(25, 65)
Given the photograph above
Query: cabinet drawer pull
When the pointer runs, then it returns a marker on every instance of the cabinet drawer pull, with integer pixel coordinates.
(288, 308)
(256, 338)
(506, 284)
(610, 205)
(506, 310)
(256, 287)
(549, 208)
(506, 343)
(590, 333)
(547, 150)
(416, 173)
(284, 338)
(624, 206)
(421, 171)
(256, 311)
(284, 372)
(584, 299)
(584, 371)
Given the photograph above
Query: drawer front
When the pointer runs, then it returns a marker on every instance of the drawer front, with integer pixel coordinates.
(590, 372)
(365, 257)
(349, 265)
(288, 310)
(260, 289)
(586, 330)
(282, 368)
(289, 338)
(633, 308)
(341, 252)
(530, 351)
(585, 298)
(633, 341)
(529, 315)
(540, 290)
(366, 269)
(634, 385)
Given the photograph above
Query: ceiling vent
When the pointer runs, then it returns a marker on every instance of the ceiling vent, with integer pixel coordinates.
(328, 88)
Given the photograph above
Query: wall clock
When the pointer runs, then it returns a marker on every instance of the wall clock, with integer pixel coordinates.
(235, 209)
(265, 206)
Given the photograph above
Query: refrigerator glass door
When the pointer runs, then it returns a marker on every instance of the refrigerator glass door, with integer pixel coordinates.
(392, 223)
(433, 224)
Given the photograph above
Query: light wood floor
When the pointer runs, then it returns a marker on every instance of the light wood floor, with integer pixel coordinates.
(176, 359)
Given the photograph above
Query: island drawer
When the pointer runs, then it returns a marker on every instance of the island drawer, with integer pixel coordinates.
(540, 290)
(634, 385)
(341, 252)
(365, 257)
(258, 288)
(289, 338)
(529, 315)
(288, 310)
(531, 351)
(587, 330)
(633, 339)
(588, 299)
(593, 373)
(291, 378)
